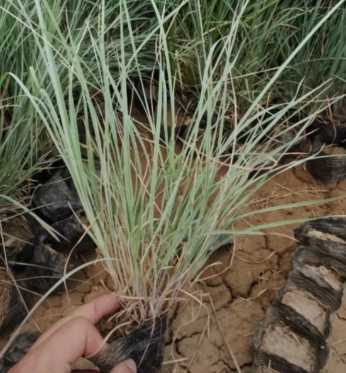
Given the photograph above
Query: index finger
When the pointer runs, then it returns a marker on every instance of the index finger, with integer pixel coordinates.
(94, 311)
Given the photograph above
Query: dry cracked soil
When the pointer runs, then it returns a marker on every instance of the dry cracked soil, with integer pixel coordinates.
(232, 295)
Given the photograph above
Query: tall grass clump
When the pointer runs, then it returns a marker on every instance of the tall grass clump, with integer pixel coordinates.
(20, 153)
(157, 209)
(24, 145)
(322, 58)
(199, 27)
(271, 31)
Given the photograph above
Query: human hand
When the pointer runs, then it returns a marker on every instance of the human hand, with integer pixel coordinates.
(71, 338)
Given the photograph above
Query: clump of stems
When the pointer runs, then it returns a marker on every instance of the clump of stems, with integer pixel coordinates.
(156, 210)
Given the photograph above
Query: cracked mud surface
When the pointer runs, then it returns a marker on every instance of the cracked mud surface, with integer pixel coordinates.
(236, 292)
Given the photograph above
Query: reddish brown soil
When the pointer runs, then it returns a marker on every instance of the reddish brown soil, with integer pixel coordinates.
(201, 334)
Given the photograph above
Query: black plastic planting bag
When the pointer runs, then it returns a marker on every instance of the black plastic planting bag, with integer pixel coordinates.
(18, 350)
(282, 133)
(328, 169)
(42, 176)
(292, 336)
(57, 198)
(333, 226)
(18, 253)
(328, 132)
(74, 236)
(59, 205)
(47, 266)
(144, 345)
(322, 243)
(276, 320)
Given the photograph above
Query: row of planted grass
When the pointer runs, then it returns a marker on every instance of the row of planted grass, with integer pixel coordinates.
(267, 35)
(25, 146)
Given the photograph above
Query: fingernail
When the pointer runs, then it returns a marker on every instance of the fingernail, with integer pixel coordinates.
(132, 365)
(127, 366)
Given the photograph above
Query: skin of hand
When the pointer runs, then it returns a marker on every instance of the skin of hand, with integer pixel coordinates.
(71, 338)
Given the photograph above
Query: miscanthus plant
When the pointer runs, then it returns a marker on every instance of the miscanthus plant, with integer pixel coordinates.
(322, 58)
(156, 210)
(24, 145)
(271, 31)
(20, 130)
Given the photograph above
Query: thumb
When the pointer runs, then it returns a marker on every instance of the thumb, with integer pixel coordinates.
(127, 366)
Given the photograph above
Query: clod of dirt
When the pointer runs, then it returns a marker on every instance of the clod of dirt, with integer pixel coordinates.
(211, 277)
(252, 244)
(303, 174)
(280, 341)
(337, 338)
(247, 269)
(265, 369)
(237, 322)
(216, 267)
(307, 307)
(96, 291)
(283, 239)
(329, 276)
(44, 318)
(203, 354)
(324, 236)
(190, 319)
(95, 272)
(264, 293)
(208, 352)
(336, 363)
(220, 296)
(330, 227)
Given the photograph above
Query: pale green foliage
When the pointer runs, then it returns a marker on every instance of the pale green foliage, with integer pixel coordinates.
(20, 131)
(156, 214)
(24, 146)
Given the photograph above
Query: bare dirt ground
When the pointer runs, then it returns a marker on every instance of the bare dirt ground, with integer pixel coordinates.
(236, 292)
